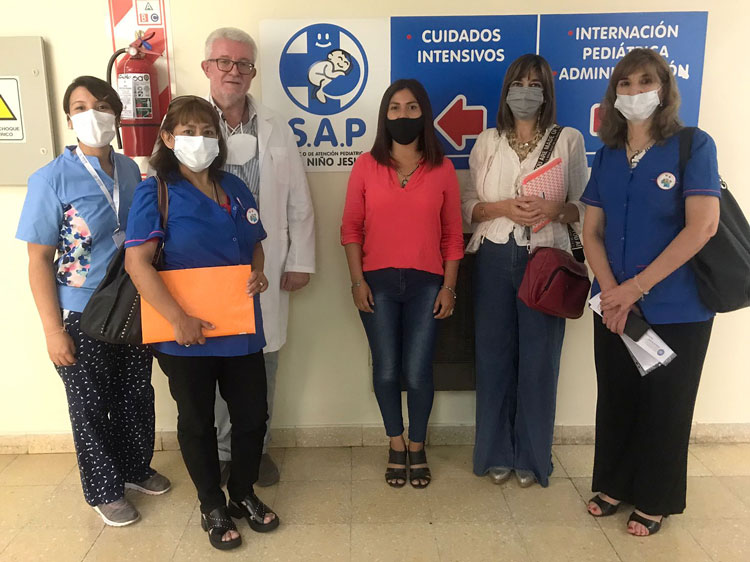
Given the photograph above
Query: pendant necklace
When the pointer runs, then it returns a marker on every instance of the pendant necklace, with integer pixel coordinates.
(637, 154)
(404, 178)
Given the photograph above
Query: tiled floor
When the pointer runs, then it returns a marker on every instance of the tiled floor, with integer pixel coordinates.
(335, 506)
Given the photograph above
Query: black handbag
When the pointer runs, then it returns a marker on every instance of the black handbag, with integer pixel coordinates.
(722, 266)
(113, 313)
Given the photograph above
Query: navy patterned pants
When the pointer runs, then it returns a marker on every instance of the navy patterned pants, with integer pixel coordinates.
(111, 406)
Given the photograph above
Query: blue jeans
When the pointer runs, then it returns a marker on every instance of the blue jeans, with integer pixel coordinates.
(401, 332)
(517, 364)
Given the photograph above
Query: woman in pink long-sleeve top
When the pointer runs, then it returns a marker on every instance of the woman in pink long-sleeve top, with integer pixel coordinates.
(403, 237)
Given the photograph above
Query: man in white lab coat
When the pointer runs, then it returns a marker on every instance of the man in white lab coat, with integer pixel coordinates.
(263, 152)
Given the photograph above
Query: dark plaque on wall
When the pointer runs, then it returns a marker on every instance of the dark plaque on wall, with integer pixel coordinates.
(454, 351)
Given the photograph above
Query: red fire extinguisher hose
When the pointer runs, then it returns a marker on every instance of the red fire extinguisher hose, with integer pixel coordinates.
(110, 64)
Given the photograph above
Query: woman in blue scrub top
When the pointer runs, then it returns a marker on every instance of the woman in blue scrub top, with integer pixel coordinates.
(212, 221)
(74, 219)
(644, 222)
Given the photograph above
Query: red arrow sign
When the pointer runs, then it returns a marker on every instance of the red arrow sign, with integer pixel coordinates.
(596, 120)
(458, 121)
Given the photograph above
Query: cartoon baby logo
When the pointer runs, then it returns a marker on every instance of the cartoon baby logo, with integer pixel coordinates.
(337, 64)
(323, 69)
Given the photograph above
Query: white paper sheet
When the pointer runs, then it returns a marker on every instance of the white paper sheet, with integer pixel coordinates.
(649, 352)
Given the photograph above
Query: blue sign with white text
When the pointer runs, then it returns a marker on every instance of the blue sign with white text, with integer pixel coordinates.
(583, 49)
(462, 60)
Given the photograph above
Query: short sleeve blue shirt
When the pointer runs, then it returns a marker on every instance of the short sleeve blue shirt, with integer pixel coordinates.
(65, 208)
(199, 233)
(645, 210)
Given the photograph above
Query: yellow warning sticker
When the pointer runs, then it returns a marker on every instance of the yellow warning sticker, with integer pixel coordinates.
(5, 111)
(11, 121)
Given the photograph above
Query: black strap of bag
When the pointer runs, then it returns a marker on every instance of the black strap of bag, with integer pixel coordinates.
(162, 199)
(686, 147)
(576, 246)
(549, 146)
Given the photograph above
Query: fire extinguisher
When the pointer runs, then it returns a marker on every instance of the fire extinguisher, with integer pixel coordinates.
(138, 88)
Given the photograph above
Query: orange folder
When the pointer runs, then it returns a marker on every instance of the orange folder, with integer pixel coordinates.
(215, 294)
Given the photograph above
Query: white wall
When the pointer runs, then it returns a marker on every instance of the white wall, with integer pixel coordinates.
(324, 376)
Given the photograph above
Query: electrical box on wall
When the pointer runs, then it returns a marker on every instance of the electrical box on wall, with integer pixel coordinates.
(26, 141)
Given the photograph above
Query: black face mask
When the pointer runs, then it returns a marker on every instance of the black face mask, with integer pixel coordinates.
(404, 130)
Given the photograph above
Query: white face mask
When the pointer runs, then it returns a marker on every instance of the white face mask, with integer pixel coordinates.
(196, 153)
(241, 147)
(94, 128)
(638, 107)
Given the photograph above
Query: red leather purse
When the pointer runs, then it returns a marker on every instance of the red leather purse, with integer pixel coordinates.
(555, 282)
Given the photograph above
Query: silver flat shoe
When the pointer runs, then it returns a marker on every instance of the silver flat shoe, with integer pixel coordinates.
(499, 474)
(525, 478)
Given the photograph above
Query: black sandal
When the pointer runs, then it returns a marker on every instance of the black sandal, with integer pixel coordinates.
(606, 508)
(218, 523)
(255, 511)
(420, 472)
(651, 526)
(394, 474)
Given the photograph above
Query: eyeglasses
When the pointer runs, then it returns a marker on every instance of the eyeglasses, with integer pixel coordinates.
(225, 65)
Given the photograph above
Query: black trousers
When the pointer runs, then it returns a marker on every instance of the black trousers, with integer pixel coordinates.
(111, 407)
(242, 384)
(643, 423)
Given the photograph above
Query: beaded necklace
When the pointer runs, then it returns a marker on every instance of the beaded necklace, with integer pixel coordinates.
(523, 149)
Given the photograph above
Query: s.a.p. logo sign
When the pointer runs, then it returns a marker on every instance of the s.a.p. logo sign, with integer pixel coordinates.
(323, 69)
(326, 80)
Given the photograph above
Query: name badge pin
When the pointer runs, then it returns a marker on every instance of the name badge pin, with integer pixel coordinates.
(252, 216)
(666, 181)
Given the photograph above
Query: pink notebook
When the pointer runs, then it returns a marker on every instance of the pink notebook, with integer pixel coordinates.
(547, 182)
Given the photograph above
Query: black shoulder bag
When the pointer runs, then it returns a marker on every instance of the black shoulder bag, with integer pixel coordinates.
(722, 266)
(113, 313)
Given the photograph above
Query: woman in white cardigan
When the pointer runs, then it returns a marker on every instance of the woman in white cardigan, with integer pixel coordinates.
(518, 348)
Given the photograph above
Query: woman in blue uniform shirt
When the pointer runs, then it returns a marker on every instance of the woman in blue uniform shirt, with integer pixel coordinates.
(644, 222)
(73, 219)
(212, 221)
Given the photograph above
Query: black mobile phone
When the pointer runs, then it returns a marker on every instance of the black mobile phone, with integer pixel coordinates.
(635, 326)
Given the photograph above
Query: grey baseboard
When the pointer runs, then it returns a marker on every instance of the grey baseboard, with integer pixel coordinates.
(365, 435)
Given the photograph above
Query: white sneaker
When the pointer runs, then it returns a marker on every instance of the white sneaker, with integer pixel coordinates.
(155, 485)
(118, 513)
